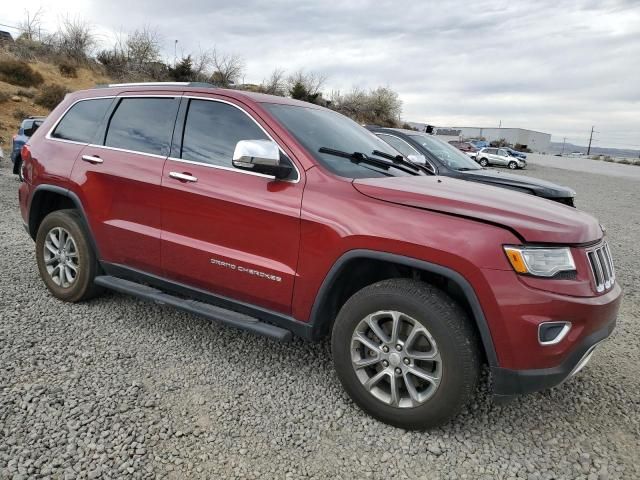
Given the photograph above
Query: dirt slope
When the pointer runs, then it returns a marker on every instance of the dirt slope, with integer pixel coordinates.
(20, 105)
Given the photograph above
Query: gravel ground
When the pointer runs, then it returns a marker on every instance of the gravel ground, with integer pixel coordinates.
(119, 388)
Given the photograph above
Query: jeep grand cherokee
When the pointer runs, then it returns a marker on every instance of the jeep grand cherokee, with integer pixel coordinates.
(281, 218)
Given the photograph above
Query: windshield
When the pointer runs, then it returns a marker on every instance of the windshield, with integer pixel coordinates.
(447, 154)
(318, 128)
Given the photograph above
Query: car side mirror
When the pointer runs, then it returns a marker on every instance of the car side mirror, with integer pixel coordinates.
(261, 156)
(420, 159)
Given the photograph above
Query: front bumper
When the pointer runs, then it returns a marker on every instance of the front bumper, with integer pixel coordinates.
(507, 382)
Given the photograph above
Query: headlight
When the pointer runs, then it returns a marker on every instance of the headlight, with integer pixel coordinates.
(540, 262)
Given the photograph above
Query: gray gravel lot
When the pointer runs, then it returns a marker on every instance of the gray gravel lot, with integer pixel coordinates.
(119, 388)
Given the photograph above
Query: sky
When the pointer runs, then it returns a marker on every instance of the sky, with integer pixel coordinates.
(559, 67)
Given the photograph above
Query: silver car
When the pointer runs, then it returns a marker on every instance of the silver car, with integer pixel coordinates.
(499, 156)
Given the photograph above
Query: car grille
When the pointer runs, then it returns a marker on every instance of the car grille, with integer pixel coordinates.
(602, 267)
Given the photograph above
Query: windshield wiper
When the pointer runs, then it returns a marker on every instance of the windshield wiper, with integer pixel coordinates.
(465, 169)
(359, 157)
(402, 160)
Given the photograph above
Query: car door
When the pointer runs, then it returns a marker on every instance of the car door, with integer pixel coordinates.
(119, 177)
(503, 156)
(228, 231)
(492, 156)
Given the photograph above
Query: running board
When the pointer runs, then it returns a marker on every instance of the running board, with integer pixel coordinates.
(228, 317)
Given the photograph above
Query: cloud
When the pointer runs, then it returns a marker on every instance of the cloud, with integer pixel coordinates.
(553, 66)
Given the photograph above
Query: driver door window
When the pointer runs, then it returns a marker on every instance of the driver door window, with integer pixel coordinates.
(212, 130)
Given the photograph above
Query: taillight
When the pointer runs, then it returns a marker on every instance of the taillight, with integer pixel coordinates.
(25, 154)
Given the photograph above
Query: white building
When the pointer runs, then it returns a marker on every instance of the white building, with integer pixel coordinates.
(536, 141)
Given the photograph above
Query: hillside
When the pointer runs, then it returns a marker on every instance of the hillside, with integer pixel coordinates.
(20, 101)
(556, 147)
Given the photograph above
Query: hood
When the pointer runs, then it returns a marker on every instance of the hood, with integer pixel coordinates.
(535, 219)
(540, 188)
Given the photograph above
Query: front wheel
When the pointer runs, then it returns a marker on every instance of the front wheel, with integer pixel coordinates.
(513, 165)
(484, 162)
(405, 353)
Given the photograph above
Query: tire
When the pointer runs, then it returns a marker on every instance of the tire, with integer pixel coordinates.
(448, 333)
(17, 169)
(512, 165)
(484, 162)
(76, 252)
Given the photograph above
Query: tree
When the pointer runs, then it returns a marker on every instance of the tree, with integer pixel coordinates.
(75, 39)
(228, 69)
(142, 46)
(135, 55)
(30, 26)
(306, 86)
(380, 106)
(276, 83)
(183, 71)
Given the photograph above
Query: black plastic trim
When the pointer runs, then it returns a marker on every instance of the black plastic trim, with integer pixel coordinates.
(507, 382)
(319, 323)
(76, 201)
(286, 322)
(211, 312)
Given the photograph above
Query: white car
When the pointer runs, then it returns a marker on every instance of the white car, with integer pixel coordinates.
(499, 156)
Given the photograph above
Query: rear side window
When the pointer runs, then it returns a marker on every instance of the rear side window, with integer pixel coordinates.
(142, 125)
(212, 130)
(81, 121)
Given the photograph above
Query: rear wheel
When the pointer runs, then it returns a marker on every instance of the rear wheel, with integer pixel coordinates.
(513, 165)
(66, 261)
(17, 169)
(405, 353)
(484, 162)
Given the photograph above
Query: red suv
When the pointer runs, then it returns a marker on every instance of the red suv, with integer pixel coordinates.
(281, 217)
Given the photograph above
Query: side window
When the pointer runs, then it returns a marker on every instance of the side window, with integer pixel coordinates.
(400, 145)
(502, 153)
(142, 125)
(82, 120)
(212, 130)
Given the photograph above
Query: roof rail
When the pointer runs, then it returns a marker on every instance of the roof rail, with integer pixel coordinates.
(156, 84)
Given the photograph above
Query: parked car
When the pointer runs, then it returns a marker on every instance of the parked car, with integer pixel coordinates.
(516, 153)
(27, 129)
(443, 159)
(465, 147)
(479, 143)
(282, 217)
(499, 156)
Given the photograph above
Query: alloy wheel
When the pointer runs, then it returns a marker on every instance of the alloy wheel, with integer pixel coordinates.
(396, 359)
(61, 257)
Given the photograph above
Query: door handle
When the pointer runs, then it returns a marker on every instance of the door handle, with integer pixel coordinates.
(184, 177)
(92, 159)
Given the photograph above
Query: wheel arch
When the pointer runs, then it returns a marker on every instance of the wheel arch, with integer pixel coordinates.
(49, 198)
(337, 285)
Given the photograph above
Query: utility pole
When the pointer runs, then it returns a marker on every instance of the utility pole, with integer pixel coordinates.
(563, 142)
(175, 53)
(590, 138)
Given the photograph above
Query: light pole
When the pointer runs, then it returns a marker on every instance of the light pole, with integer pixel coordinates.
(175, 53)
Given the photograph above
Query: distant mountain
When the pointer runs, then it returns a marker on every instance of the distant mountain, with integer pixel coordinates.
(556, 147)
